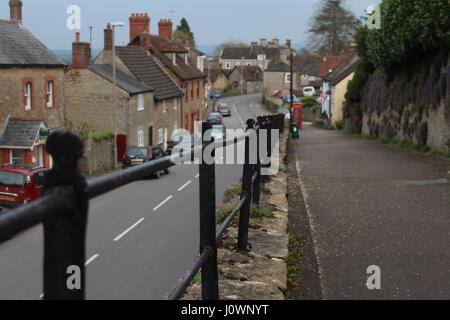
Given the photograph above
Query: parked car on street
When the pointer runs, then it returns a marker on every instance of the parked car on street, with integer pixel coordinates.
(284, 93)
(215, 118)
(139, 155)
(215, 95)
(286, 112)
(224, 109)
(309, 91)
(20, 184)
(176, 140)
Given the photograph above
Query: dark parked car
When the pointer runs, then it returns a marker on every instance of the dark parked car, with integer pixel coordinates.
(139, 155)
(215, 118)
(20, 184)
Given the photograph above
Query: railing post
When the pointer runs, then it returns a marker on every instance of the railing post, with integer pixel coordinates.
(257, 167)
(244, 216)
(210, 274)
(65, 233)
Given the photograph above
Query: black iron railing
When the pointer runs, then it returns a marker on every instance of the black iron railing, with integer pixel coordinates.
(63, 209)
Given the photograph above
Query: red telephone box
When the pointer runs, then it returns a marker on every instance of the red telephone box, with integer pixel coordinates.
(297, 115)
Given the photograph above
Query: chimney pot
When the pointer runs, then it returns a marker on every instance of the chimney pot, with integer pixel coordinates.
(165, 28)
(108, 38)
(81, 53)
(16, 10)
(139, 23)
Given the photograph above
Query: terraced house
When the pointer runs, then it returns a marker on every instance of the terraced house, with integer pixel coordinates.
(136, 62)
(31, 92)
(89, 93)
(175, 59)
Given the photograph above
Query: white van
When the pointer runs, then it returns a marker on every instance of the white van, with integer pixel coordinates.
(309, 91)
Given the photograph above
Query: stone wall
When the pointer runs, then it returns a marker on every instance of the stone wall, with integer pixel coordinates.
(12, 94)
(414, 105)
(98, 156)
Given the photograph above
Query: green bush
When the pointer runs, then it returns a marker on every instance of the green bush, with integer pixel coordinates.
(309, 102)
(102, 135)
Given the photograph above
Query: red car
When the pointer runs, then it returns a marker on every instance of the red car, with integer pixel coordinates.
(20, 184)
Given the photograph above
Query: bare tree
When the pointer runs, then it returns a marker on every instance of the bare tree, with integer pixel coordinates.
(332, 27)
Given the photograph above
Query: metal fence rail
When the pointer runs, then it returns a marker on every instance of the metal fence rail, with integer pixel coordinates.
(63, 210)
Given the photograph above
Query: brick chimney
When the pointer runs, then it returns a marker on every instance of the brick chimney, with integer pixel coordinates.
(16, 10)
(108, 38)
(81, 53)
(288, 44)
(165, 28)
(139, 23)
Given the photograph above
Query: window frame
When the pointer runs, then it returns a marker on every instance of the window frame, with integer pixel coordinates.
(140, 138)
(49, 95)
(140, 102)
(28, 94)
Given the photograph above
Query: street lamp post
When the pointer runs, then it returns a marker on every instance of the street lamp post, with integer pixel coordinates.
(114, 25)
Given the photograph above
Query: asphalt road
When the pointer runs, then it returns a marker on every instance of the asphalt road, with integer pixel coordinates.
(374, 204)
(141, 238)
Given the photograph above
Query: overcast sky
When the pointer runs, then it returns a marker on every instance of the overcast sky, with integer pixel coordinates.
(212, 21)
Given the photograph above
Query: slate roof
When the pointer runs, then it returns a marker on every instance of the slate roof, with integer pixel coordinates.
(308, 64)
(146, 70)
(181, 69)
(20, 133)
(343, 70)
(278, 67)
(124, 81)
(249, 53)
(18, 47)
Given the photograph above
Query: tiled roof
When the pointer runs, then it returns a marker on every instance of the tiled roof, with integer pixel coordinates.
(343, 70)
(249, 53)
(164, 45)
(214, 74)
(250, 72)
(328, 64)
(20, 133)
(181, 69)
(18, 47)
(278, 67)
(123, 80)
(307, 64)
(145, 69)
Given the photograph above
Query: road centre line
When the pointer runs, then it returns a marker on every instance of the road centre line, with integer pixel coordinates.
(239, 116)
(162, 203)
(128, 230)
(185, 185)
(95, 256)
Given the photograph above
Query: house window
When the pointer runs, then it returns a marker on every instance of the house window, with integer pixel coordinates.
(164, 106)
(49, 93)
(27, 95)
(175, 104)
(287, 78)
(227, 65)
(161, 136)
(17, 156)
(141, 105)
(174, 59)
(140, 138)
(198, 89)
(261, 57)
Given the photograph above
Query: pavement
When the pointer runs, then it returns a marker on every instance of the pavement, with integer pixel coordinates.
(371, 204)
(141, 238)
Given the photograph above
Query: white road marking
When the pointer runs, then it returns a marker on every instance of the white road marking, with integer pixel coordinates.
(239, 116)
(162, 203)
(185, 185)
(128, 230)
(197, 176)
(312, 224)
(95, 256)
